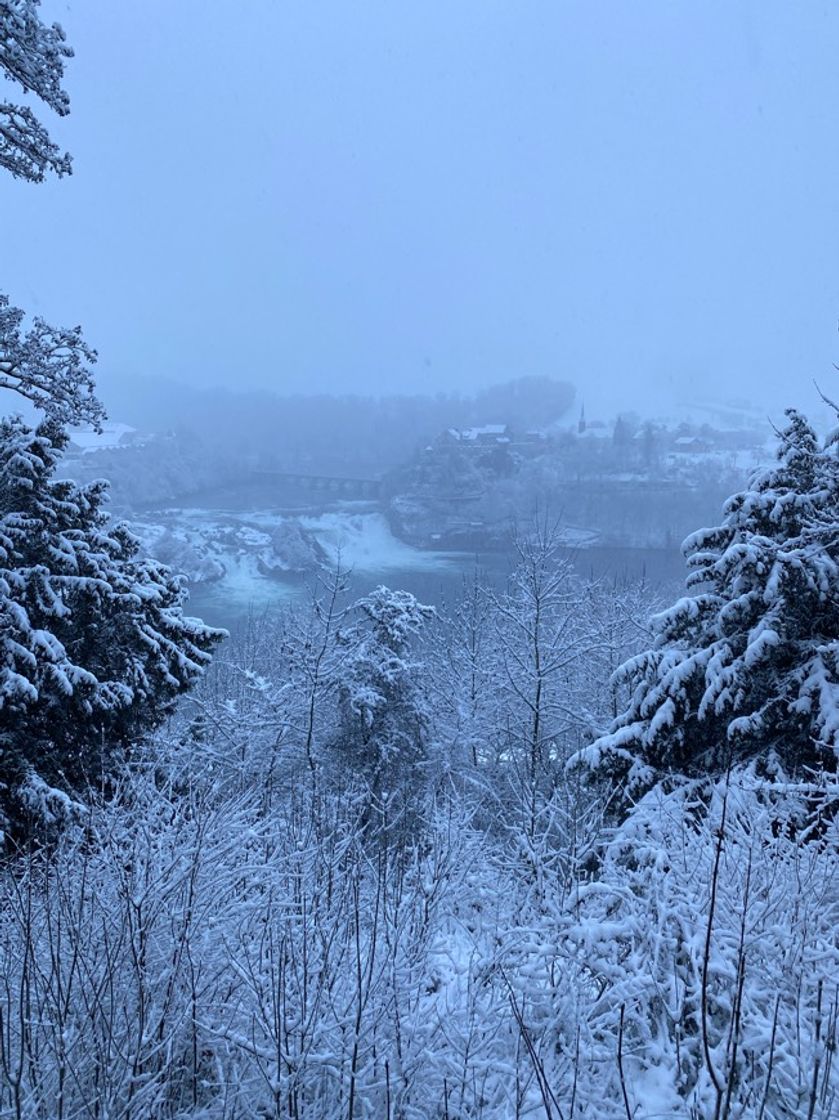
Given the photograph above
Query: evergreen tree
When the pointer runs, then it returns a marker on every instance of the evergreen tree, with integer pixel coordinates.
(94, 646)
(747, 667)
(383, 719)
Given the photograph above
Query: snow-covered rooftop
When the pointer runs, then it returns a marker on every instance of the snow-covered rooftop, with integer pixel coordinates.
(476, 433)
(112, 435)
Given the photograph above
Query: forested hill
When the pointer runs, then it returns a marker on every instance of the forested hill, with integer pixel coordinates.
(188, 440)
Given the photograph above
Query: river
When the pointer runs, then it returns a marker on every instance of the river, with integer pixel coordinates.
(358, 535)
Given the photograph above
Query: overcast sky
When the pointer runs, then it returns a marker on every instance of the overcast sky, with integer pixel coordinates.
(381, 195)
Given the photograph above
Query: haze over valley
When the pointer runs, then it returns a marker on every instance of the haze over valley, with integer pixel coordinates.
(252, 496)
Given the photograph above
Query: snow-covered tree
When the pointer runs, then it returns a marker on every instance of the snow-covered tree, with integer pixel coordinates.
(463, 665)
(383, 718)
(94, 646)
(49, 366)
(747, 667)
(542, 649)
(32, 55)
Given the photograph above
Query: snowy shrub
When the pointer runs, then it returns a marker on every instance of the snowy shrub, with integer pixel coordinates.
(708, 944)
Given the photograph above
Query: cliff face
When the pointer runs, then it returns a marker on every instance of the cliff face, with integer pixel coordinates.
(621, 515)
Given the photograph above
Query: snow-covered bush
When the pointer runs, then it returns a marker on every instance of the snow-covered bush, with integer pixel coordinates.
(707, 949)
(187, 954)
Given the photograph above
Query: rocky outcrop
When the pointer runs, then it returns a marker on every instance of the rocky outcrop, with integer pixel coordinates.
(293, 551)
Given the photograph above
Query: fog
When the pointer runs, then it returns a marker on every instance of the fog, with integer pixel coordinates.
(384, 198)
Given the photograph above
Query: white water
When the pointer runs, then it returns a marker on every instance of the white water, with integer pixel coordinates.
(364, 543)
(359, 541)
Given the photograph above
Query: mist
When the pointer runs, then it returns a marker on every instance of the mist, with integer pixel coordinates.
(393, 198)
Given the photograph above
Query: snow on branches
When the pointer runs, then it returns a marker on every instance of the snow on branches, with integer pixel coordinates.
(94, 646)
(49, 366)
(383, 716)
(32, 55)
(748, 666)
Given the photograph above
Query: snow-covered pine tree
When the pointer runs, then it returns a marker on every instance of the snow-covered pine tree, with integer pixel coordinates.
(746, 669)
(383, 719)
(94, 645)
